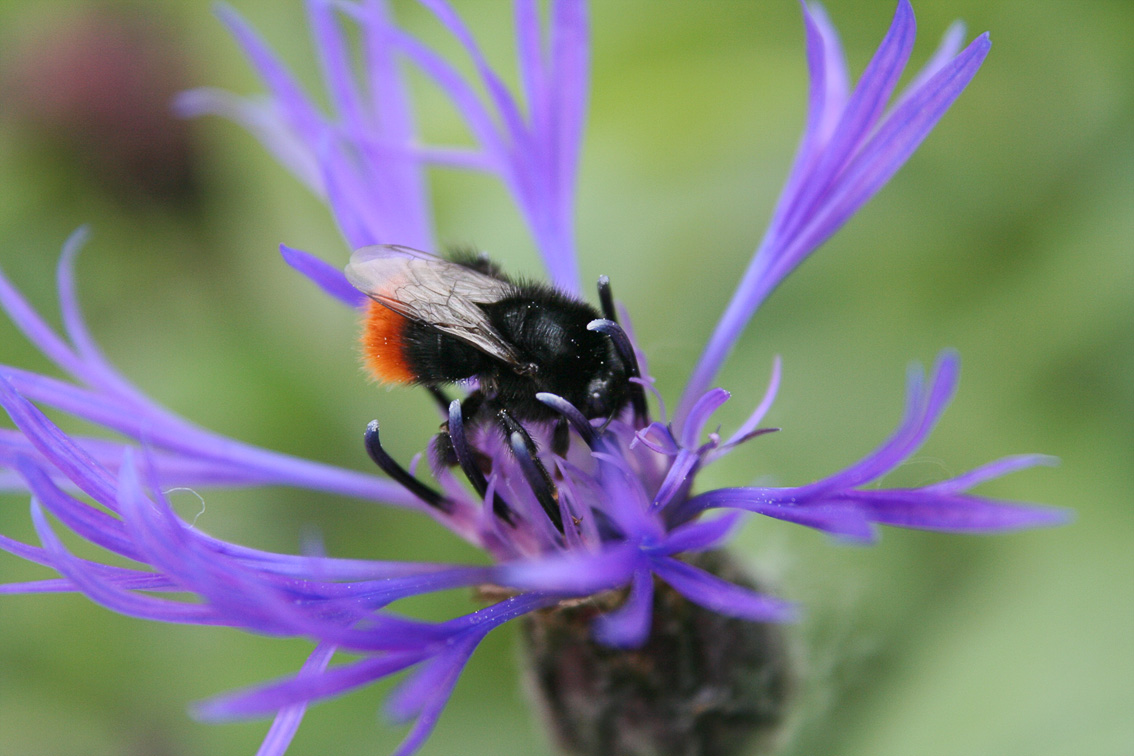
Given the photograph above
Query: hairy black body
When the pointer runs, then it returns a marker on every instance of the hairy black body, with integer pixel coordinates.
(438, 321)
(555, 351)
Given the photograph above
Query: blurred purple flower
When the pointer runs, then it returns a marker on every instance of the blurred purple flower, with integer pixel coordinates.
(624, 492)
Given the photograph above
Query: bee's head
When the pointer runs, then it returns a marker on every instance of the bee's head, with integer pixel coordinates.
(608, 391)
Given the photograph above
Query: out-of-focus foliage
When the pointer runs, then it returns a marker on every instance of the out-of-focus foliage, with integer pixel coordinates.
(1010, 236)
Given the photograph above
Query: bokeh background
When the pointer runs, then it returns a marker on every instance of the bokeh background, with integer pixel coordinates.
(1008, 236)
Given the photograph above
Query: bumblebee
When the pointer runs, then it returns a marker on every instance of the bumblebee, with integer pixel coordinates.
(434, 321)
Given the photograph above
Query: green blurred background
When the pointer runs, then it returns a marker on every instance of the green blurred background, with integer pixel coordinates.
(1008, 236)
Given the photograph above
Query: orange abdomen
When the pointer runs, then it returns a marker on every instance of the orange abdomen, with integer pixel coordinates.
(383, 347)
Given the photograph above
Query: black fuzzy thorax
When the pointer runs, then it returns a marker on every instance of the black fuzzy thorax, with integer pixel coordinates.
(549, 333)
(547, 330)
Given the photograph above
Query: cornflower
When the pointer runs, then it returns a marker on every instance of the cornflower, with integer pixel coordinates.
(609, 537)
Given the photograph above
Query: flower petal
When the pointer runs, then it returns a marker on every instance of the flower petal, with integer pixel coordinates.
(438, 696)
(921, 415)
(721, 596)
(287, 720)
(256, 701)
(572, 574)
(862, 110)
(324, 275)
(293, 104)
(752, 423)
(86, 521)
(334, 59)
(420, 688)
(700, 413)
(228, 458)
(112, 597)
(261, 120)
(841, 520)
(701, 535)
(628, 626)
(97, 371)
(833, 177)
(36, 329)
(992, 470)
(952, 513)
(56, 446)
(894, 142)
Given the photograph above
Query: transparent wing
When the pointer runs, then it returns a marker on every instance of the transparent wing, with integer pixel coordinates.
(434, 291)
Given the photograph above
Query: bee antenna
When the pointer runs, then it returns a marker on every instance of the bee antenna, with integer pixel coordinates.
(625, 351)
(606, 299)
(465, 459)
(374, 448)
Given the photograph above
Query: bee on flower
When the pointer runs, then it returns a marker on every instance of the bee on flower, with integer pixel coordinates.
(638, 627)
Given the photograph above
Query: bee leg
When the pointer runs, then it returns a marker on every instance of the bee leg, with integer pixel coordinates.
(470, 459)
(560, 438)
(470, 406)
(440, 397)
(534, 471)
(441, 451)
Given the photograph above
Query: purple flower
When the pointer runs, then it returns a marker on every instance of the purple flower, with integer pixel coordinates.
(614, 513)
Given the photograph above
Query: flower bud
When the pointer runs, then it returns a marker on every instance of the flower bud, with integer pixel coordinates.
(702, 685)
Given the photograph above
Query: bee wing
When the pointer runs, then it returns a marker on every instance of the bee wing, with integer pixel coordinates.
(434, 291)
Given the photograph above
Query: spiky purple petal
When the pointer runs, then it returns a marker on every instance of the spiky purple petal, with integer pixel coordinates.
(721, 596)
(629, 625)
(268, 698)
(850, 149)
(573, 574)
(287, 720)
(327, 277)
